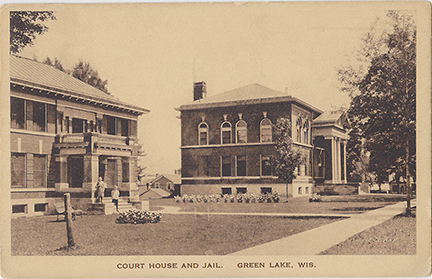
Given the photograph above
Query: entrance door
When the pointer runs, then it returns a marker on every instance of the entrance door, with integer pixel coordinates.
(75, 172)
(111, 173)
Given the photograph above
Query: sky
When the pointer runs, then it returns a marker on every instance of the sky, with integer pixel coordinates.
(152, 53)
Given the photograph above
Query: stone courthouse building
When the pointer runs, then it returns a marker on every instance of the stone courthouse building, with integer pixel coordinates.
(64, 135)
(227, 141)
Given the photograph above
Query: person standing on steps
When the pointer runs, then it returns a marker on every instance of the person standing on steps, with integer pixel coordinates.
(100, 190)
(115, 195)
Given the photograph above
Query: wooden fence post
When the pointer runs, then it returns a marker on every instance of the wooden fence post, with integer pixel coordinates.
(68, 217)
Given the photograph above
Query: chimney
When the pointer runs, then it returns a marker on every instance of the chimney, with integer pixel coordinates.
(200, 90)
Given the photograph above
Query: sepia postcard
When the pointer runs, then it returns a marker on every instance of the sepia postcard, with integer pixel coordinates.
(223, 139)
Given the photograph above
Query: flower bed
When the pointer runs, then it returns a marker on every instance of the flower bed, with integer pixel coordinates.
(228, 198)
(138, 217)
(315, 198)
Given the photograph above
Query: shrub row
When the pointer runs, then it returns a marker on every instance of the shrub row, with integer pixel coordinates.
(227, 198)
(138, 217)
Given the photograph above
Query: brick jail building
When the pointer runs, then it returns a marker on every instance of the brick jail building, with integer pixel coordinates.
(64, 135)
(227, 140)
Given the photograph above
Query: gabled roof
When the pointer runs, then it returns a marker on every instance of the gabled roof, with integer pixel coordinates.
(250, 94)
(29, 73)
(330, 117)
(175, 178)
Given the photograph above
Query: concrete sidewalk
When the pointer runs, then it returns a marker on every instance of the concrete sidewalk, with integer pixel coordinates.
(320, 239)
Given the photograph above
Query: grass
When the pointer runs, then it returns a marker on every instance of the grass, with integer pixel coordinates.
(330, 204)
(396, 236)
(174, 235)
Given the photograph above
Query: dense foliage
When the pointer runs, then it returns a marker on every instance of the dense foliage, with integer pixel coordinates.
(25, 25)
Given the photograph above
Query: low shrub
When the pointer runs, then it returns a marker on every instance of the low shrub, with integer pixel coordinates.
(315, 198)
(229, 198)
(138, 217)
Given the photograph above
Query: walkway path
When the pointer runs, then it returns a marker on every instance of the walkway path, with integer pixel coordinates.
(320, 239)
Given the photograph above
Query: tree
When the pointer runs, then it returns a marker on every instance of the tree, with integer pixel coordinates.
(383, 98)
(84, 72)
(288, 158)
(24, 26)
(56, 64)
(140, 169)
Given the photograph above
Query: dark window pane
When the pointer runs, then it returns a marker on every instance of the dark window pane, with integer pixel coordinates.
(124, 127)
(241, 165)
(38, 117)
(40, 207)
(226, 191)
(265, 166)
(203, 138)
(266, 190)
(241, 190)
(226, 166)
(125, 171)
(226, 137)
(18, 170)
(111, 125)
(77, 125)
(19, 208)
(17, 113)
(39, 171)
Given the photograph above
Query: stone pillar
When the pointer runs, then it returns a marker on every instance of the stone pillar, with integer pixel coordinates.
(62, 165)
(133, 186)
(91, 174)
(119, 172)
(302, 169)
(337, 162)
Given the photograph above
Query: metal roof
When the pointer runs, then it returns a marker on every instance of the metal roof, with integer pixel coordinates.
(30, 73)
(328, 117)
(250, 94)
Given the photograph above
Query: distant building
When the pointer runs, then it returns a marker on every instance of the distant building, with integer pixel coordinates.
(160, 186)
(227, 140)
(64, 135)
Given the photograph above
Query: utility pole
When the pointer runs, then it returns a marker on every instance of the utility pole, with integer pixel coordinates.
(68, 218)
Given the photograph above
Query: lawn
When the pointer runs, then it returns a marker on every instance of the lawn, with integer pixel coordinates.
(352, 204)
(396, 236)
(174, 235)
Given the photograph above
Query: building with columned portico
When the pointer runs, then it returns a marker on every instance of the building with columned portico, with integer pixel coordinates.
(227, 140)
(64, 135)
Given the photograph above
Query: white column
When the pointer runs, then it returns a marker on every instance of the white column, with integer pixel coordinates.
(338, 163)
(333, 160)
(344, 162)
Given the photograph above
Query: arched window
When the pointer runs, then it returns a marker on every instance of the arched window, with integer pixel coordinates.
(226, 130)
(299, 129)
(266, 130)
(241, 132)
(203, 133)
(306, 132)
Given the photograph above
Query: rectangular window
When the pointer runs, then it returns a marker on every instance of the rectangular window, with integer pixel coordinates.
(203, 138)
(226, 191)
(19, 208)
(242, 136)
(39, 171)
(226, 165)
(124, 127)
(133, 128)
(241, 165)
(241, 190)
(17, 113)
(266, 190)
(18, 174)
(40, 207)
(266, 166)
(299, 190)
(125, 171)
(307, 190)
(38, 117)
(226, 137)
(77, 125)
(203, 166)
(266, 134)
(111, 125)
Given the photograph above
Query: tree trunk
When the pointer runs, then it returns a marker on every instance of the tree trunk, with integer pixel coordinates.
(408, 182)
(68, 217)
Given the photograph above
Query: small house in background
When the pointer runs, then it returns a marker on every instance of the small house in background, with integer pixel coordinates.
(160, 186)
